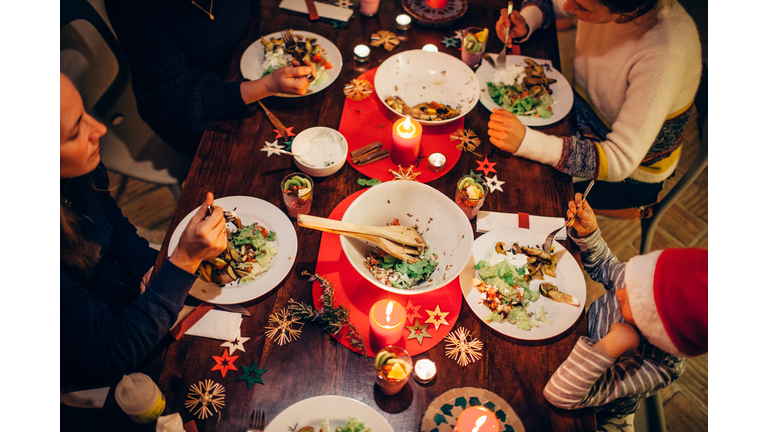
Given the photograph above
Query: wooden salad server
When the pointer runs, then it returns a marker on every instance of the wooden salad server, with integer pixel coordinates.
(395, 233)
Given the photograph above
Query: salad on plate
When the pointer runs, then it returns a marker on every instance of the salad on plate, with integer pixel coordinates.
(523, 89)
(308, 51)
(353, 425)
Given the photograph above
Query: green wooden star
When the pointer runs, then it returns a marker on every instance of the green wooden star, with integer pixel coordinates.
(339, 24)
(473, 174)
(418, 331)
(450, 42)
(252, 374)
(288, 144)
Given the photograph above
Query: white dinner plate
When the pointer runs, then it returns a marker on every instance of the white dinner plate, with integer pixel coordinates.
(310, 412)
(569, 280)
(249, 210)
(562, 92)
(418, 76)
(250, 62)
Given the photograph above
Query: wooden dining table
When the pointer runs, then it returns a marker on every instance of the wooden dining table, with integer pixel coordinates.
(229, 162)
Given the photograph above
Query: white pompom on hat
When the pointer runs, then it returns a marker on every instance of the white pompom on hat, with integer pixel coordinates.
(667, 293)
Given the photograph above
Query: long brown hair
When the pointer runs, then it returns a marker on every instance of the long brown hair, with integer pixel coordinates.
(78, 254)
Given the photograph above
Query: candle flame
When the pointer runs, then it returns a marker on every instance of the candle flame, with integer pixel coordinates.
(406, 129)
(479, 422)
(390, 307)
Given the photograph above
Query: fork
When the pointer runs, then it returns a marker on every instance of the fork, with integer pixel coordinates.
(291, 47)
(501, 59)
(547, 247)
(256, 423)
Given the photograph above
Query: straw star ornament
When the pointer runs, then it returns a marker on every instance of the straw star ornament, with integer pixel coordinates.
(386, 38)
(405, 174)
(468, 141)
(281, 327)
(358, 89)
(459, 348)
(209, 395)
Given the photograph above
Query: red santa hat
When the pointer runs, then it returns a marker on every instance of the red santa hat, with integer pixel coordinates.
(667, 293)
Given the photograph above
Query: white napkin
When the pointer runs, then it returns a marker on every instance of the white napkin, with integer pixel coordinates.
(170, 423)
(323, 9)
(216, 324)
(489, 221)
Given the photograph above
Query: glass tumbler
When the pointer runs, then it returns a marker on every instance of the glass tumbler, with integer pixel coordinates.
(393, 366)
(298, 189)
(473, 40)
(470, 195)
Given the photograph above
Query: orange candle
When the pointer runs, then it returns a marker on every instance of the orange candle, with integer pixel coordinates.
(406, 138)
(477, 419)
(387, 318)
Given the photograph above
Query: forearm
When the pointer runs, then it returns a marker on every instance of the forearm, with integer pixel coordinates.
(597, 259)
(252, 91)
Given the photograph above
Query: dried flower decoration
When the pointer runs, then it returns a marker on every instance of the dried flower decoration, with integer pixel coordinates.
(386, 38)
(468, 140)
(358, 89)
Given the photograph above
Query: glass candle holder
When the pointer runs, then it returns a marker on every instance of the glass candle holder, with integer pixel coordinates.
(393, 366)
(362, 53)
(403, 22)
(470, 195)
(424, 371)
(369, 7)
(298, 189)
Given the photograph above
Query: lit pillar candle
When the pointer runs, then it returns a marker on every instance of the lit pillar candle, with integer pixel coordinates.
(386, 319)
(437, 4)
(477, 419)
(406, 138)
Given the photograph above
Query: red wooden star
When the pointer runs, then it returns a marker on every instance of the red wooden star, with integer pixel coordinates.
(288, 131)
(412, 312)
(486, 166)
(224, 363)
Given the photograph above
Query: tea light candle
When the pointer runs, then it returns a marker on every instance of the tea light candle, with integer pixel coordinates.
(386, 319)
(403, 22)
(429, 47)
(477, 419)
(424, 370)
(437, 4)
(436, 162)
(406, 139)
(362, 52)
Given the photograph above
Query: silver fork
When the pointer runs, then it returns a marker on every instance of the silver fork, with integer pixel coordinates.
(290, 46)
(547, 247)
(256, 423)
(501, 60)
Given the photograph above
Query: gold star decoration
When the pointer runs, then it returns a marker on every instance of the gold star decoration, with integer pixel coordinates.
(386, 38)
(358, 89)
(283, 327)
(437, 317)
(460, 349)
(468, 140)
(235, 344)
(418, 331)
(405, 174)
(209, 395)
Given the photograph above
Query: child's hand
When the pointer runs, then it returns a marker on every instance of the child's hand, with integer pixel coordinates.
(621, 338)
(518, 29)
(506, 130)
(585, 221)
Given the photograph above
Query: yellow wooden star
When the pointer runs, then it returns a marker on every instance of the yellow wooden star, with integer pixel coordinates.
(405, 174)
(437, 317)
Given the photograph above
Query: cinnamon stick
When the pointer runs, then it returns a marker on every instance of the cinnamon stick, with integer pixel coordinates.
(356, 159)
(373, 155)
(362, 150)
(384, 156)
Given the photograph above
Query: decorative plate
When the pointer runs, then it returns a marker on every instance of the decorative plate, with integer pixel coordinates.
(442, 413)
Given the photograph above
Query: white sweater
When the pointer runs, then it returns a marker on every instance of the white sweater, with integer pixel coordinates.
(635, 76)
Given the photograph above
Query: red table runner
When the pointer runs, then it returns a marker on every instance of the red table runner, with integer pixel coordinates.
(367, 121)
(358, 294)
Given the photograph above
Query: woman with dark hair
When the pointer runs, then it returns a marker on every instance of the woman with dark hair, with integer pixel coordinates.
(111, 317)
(636, 71)
(179, 52)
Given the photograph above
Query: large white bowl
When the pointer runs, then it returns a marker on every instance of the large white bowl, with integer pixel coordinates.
(419, 76)
(326, 148)
(441, 222)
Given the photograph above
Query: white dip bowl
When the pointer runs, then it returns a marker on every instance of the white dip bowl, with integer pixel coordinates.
(322, 151)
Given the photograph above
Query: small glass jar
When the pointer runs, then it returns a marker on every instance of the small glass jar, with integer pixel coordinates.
(362, 53)
(424, 371)
(403, 22)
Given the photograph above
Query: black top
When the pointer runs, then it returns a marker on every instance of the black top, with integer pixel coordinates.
(179, 58)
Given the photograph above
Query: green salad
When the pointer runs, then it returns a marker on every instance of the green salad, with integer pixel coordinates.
(399, 273)
(516, 100)
(249, 252)
(353, 425)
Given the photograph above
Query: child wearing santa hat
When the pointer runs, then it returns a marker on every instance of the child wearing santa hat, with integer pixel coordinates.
(652, 317)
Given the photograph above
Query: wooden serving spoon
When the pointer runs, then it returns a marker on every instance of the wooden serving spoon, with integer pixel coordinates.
(396, 233)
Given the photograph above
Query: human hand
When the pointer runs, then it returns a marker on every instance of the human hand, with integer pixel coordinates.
(585, 221)
(290, 79)
(518, 27)
(506, 130)
(621, 338)
(204, 237)
(145, 280)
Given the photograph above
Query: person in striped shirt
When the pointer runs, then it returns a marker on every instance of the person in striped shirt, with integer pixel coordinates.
(651, 319)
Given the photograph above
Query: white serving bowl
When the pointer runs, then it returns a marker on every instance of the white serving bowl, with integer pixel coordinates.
(441, 222)
(419, 76)
(322, 151)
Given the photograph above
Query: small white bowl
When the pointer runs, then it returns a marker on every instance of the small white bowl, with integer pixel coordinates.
(322, 151)
(441, 222)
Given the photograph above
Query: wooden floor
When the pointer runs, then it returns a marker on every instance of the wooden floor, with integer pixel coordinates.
(150, 207)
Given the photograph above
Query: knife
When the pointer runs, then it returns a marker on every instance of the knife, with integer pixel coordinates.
(236, 308)
(312, 9)
(275, 122)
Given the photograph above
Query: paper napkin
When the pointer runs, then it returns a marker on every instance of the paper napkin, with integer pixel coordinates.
(489, 221)
(169, 423)
(215, 324)
(323, 9)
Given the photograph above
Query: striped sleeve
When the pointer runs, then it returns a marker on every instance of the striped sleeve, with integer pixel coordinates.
(598, 260)
(590, 378)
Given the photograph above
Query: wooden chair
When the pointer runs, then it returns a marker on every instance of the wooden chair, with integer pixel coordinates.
(129, 148)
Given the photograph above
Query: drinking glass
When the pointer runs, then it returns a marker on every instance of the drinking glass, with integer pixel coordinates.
(470, 195)
(472, 48)
(298, 189)
(369, 7)
(390, 386)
